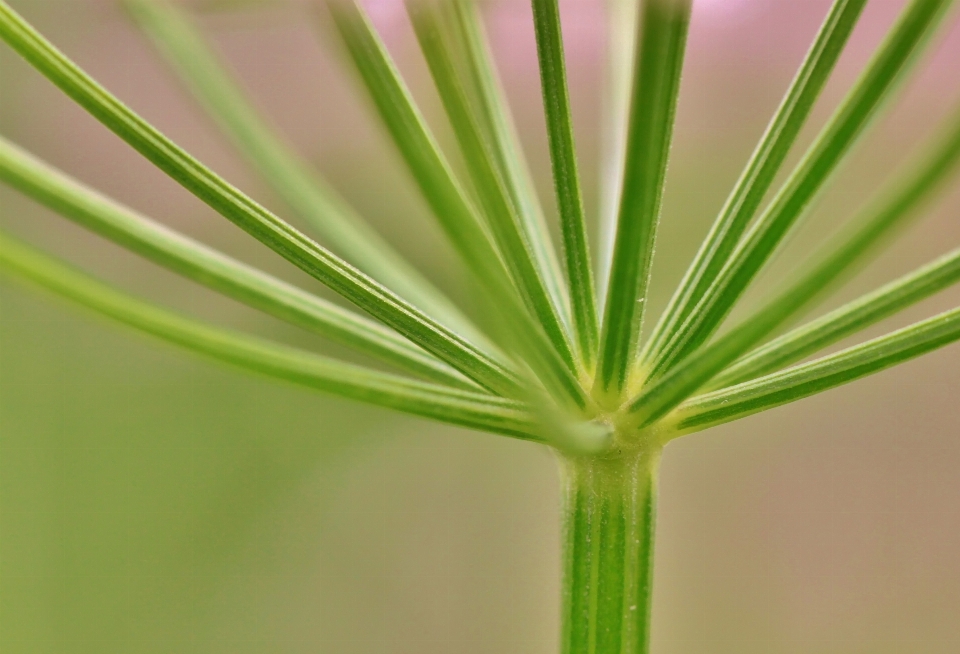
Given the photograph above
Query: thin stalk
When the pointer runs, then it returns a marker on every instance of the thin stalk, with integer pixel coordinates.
(820, 375)
(295, 181)
(478, 73)
(609, 515)
(694, 372)
(473, 410)
(498, 208)
(894, 210)
(621, 20)
(659, 60)
(457, 216)
(844, 254)
(556, 103)
(899, 50)
(228, 201)
(852, 317)
(760, 171)
(415, 141)
(213, 269)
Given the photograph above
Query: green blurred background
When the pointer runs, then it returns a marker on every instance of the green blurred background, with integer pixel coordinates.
(151, 501)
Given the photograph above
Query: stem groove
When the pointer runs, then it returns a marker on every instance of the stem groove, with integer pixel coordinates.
(609, 511)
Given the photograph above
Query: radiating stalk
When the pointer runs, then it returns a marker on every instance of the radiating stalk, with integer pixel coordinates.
(895, 208)
(556, 103)
(250, 216)
(497, 206)
(844, 254)
(658, 63)
(214, 269)
(294, 179)
(692, 374)
(892, 59)
(478, 73)
(817, 376)
(609, 514)
(451, 206)
(466, 408)
(760, 171)
(621, 19)
(849, 319)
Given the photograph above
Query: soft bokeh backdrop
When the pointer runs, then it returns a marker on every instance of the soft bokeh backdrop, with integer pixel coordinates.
(151, 501)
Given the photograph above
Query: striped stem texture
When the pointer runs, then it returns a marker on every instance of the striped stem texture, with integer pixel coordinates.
(609, 515)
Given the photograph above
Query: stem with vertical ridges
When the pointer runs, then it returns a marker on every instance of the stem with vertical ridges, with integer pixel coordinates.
(609, 514)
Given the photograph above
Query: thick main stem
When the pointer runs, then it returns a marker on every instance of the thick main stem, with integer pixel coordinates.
(609, 512)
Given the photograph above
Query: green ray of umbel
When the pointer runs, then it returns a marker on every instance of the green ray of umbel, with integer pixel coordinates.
(901, 48)
(844, 254)
(760, 171)
(556, 102)
(817, 376)
(294, 180)
(474, 410)
(213, 269)
(544, 345)
(658, 63)
(849, 319)
(228, 201)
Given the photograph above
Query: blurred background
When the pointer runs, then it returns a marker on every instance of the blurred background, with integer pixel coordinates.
(151, 501)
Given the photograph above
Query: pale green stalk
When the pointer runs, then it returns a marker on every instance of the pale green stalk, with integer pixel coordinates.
(842, 322)
(469, 409)
(621, 20)
(294, 180)
(690, 375)
(556, 102)
(760, 171)
(817, 376)
(609, 450)
(450, 205)
(476, 69)
(658, 63)
(897, 207)
(313, 259)
(215, 270)
(500, 212)
(892, 210)
(901, 48)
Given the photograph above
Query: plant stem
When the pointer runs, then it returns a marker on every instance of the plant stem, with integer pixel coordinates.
(609, 511)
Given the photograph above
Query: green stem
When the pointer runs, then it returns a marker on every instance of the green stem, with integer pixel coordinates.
(609, 513)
